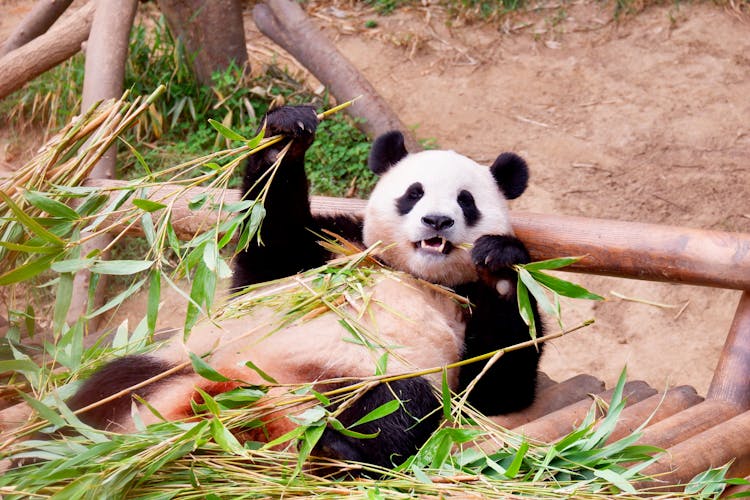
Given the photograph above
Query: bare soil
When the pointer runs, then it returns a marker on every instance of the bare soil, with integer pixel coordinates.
(646, 119)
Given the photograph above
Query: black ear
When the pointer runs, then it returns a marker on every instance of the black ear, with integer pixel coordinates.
(511, 174)
(387, 150)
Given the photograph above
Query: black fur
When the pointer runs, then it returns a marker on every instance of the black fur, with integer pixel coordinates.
(289, 233)
(387, 150)
(511, 173)
(509, 385)
(116, 376)
(406, 202)
(469, 207)
(399, 434)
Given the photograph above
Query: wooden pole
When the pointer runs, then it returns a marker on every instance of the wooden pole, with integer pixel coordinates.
(633, 250)
(284, 22)
(104, 76)
(715, 447)
(687, 423)
(61, 42)
(731, 381)
(37, 21)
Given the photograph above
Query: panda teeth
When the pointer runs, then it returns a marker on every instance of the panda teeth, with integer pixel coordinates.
(440, 248)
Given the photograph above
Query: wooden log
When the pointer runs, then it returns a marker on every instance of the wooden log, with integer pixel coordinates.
(284, 22)
(714, 447)
(552, 398)
(104, 77)
(687, 423)
(731, 380)
(560, 422)
(634, 250)
(46, 51)
(37, 21)
(657, 407)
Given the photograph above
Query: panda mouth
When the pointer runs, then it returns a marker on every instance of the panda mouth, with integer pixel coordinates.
(437, 244)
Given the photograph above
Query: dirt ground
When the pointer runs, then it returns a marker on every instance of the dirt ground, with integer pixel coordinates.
(647, 119)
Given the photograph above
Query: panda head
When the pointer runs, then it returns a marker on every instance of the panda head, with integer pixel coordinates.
(429, 207)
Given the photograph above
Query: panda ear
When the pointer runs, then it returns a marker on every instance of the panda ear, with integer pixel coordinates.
(387, 150)
(511, 174)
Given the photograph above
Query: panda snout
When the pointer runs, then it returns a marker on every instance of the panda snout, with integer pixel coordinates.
(437, 222)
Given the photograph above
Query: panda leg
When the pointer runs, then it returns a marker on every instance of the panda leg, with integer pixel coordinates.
(399, 435)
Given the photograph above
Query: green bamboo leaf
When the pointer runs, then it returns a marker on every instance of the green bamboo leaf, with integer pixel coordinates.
(208, 402)
(148, 205)
(138, 156)
(120, 267)
(224, 438)
(147, 224)
(616, 479)
(71, 265)
(308, 440)
(154, 295)
(293, 434)
(204, 369)
(28, 270)
(515, 466)
(537, 291)
(254, 142)
(15, 247)
(381, 411)
(93, 202)
(445, 393)
(43, 410)
(260, 372)
(524, 308)
(51, 206)
(118, 299)
(562, 287)
(239, 397)
(339, 427)
(551, 263)
(62, 301)
(30, 223)
(198, 201)
(225, 131)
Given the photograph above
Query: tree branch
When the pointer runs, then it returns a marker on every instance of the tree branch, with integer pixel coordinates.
(36, 22)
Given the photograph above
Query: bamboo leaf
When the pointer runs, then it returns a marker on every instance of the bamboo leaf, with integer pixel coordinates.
(30, 223)
(28, 270)
(62, 301)
(562, 287)
(225, 131)
(551, 263)
(205, 370)
(154, 295)
(524, 307)
(51, 206)
(71, 265)
(120, 267)
(118, 299)
(538, 292)
(148, 205)
(381, 411)
(260, 372)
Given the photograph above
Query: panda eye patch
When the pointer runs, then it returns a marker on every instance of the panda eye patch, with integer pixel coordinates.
(411, 196)
(469, 207)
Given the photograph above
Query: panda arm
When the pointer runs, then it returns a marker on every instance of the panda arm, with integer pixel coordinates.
(286, 244)
(509, 385)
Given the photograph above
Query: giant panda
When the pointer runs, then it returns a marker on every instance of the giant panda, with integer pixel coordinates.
(438, 218)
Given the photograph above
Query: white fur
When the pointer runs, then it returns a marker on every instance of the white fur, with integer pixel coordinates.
(443, 174)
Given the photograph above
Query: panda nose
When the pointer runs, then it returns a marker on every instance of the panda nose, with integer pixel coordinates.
(437, 222)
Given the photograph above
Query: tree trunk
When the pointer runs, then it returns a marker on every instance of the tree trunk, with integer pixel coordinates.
(36, 22)
(211, 31)
(284, 22)
(106, 55)
(46, 51)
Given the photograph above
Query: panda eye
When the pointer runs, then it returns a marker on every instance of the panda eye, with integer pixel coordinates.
(466, 200)
(415, 192)
(411, 196)
(469, 207)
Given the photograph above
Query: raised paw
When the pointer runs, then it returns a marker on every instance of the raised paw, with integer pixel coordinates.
(297, 122)
(497, 254)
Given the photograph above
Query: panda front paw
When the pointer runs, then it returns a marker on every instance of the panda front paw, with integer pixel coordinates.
(296, 122)
(494, 257)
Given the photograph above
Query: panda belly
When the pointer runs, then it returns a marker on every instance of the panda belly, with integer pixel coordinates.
(410, 323)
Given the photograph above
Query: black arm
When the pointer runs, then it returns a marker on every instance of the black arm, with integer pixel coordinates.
(495, 322)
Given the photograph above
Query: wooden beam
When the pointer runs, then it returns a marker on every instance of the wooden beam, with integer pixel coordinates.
(616, 248)
(731, 381)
